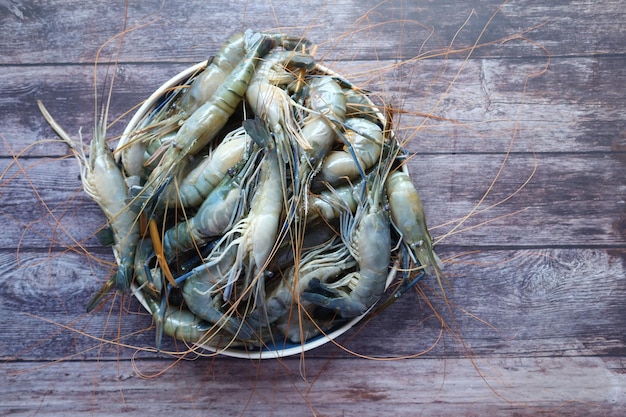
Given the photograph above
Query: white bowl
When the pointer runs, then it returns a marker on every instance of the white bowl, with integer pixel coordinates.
(266, 352)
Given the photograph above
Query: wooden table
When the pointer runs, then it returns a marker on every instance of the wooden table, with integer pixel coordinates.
(524, 135)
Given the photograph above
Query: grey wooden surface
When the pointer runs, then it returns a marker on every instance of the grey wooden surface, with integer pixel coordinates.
(536, 284)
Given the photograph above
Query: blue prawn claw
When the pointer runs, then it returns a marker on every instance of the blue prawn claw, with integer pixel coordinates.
(321, 295)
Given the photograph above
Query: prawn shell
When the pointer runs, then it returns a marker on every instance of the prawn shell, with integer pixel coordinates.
(280, 349)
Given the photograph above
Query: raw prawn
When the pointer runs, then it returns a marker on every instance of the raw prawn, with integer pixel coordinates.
(104, 182)
(272, 104)
(367, 235)
(408, 218)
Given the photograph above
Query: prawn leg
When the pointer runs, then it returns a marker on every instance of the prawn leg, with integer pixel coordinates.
(98, 297)
(323, 264)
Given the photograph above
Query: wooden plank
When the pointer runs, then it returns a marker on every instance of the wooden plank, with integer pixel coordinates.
(68, 94)
(553, 213)
(476, 106)
(449, 387)
(523, 303)
(71, 31)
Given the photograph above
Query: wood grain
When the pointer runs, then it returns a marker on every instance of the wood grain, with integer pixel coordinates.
(523, 288)
(441, 387)
(486, 107)
(535, 274)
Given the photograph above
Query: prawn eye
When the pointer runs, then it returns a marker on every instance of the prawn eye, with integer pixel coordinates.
(417, 244)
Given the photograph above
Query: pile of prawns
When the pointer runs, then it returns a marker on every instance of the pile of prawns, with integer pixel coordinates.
(264, 199)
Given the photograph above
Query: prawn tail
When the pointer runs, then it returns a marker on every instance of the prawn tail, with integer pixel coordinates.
(99, 296)
(123, 277)
(429, 261)
(258, 131)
